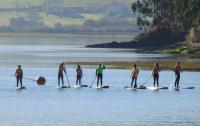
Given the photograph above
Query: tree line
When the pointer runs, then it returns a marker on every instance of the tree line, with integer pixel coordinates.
(185, 14)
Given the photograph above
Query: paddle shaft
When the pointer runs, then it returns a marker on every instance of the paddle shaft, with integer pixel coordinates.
(67, 79)
(173, 81)
(93, 81)
(25, 78)
(146, 81)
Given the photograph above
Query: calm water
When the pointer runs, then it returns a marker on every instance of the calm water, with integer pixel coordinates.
(116, 106)
(48, 50)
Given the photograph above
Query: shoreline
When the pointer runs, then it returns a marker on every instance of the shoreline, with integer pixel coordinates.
(66, 33)
(188, 65)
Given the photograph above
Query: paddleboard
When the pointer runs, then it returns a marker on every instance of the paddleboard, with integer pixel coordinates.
(132, 88)
(80, 86)
(84, 85)
(163, 88)
(188, 87)
(20, 88)
(62, 87)
(101, 87)
(156, 88)
(178, 88)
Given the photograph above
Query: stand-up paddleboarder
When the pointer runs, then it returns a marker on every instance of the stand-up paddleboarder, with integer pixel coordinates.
(19, 75)
(99, 74)
(61, 69)
(134, 74)
(177, 71)
(155, 73)
(79, 75)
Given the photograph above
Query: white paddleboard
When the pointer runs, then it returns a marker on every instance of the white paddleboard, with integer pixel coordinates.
(176, 88)
(156, 88)
(153, 88)
(76, 86)
(80, 86)
(132, 88)
(101, 87)
(62, 87)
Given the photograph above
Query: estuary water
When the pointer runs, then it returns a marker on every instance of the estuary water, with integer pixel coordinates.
(43, 50)
(116, 106)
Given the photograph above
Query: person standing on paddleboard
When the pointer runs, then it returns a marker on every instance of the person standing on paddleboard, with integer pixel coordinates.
(134, 74)
(99, 73)
(60, 73)
(155, 74)
(19, 75)
(177, 71)
(79, 75)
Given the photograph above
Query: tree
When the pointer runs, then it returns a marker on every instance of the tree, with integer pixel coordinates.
(184, 13)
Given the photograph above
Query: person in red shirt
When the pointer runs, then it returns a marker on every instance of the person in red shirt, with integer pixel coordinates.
(19, 75)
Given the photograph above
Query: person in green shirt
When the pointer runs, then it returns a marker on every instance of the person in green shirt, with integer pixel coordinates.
(99, 73)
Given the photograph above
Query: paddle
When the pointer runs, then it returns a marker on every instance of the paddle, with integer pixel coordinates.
(145, 82)
(40, 80)
(173, 81)
(93, 81)
(67, 79)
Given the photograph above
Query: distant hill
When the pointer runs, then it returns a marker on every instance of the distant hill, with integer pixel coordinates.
(67, 16)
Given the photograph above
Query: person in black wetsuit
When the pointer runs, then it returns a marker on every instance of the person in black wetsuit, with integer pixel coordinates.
(61, 69)
(177, 71)
(155, 74)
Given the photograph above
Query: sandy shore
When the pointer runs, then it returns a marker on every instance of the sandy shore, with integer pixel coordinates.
(191, 65)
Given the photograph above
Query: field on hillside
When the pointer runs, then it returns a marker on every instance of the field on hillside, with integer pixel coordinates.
(49, 20)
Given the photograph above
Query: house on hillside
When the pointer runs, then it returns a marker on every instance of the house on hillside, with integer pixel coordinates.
(94, 7)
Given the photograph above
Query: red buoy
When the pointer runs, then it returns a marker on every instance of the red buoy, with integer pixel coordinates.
(41, 80)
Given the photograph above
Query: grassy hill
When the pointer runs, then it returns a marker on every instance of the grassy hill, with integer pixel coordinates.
(71, 17)
(49, 20)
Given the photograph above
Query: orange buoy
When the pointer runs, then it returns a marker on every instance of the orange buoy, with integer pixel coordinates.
(40, 80)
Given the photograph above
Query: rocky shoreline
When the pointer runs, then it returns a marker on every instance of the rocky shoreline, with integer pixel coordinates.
(160, 40)
(157, 39)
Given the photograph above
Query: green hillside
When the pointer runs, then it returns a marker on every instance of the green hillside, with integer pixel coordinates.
(49, 20)
(72, 19)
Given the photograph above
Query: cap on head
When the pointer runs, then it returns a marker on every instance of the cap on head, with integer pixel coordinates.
(19, 66)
